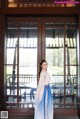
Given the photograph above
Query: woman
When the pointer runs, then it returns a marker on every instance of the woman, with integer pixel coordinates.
(43, 99)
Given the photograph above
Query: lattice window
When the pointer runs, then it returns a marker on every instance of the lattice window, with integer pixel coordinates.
(43, 3)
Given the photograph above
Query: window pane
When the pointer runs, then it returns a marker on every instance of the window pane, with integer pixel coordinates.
(11, 67)
(71, 65)
(27, 65)
(21, 64)
(55, 58)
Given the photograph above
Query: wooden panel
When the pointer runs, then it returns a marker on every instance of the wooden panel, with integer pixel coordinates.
(2, 27)
(41, 11)
(41, 3)
(3, 3)
(57, 112)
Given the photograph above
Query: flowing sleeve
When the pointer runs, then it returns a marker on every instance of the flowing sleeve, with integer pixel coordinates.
(47, 78)
(44, 80)
(40, 88)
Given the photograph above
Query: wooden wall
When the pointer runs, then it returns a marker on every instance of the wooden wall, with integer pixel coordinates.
(2, 38)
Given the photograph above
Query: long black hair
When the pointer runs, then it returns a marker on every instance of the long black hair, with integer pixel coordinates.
(40, 66)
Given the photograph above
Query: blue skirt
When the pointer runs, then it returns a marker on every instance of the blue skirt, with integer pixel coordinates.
(45, 107)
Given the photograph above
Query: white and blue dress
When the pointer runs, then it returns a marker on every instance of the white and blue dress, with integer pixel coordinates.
(43, 99)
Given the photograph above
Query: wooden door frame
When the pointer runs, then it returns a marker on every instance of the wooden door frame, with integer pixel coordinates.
(58, 112)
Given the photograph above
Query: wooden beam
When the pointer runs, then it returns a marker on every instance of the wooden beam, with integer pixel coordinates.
(57, 112)
(38, 11)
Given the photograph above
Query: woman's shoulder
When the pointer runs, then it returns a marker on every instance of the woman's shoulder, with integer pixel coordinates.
(43, 72)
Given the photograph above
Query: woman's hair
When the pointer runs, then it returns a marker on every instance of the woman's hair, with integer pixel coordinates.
(40, 66)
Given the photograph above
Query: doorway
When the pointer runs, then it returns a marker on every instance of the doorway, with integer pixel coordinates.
(29, 40)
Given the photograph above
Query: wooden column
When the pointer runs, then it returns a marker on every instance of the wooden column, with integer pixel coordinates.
(2, 38)
(79, 66)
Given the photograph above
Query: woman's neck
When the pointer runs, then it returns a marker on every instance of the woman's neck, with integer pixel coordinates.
(44, 70)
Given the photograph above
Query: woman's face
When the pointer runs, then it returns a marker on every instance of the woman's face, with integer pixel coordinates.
(44, 65)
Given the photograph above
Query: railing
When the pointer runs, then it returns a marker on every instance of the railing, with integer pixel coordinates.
(20, 92)
(26, 89)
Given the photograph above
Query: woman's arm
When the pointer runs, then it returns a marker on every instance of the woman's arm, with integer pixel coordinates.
(47, 78)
